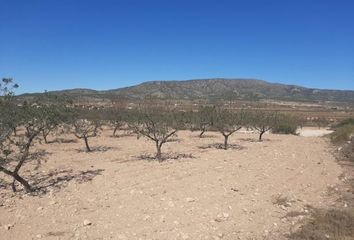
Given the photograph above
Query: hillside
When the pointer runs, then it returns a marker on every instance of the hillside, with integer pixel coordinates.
(214, 89)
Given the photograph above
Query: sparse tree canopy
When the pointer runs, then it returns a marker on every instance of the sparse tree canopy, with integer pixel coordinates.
(227, 123)
(15, 150)
(157, 125)
(203, 120)
(85, 129)
(263, 121)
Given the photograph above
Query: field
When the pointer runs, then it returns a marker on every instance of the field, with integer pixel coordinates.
(254, 190)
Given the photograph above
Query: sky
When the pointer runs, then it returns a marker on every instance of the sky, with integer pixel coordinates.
(107, 44)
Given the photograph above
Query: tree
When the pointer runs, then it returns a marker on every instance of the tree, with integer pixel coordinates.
(204, 119)
(116, 117)
(53, 117)
(227, 123)
(15, 150)
(85, 129)
(263, 121)
(157, 125)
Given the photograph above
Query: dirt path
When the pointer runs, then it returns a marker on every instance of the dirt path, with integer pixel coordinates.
(213, 194)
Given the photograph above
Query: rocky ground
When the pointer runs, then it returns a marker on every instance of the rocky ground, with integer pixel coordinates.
(255, 190)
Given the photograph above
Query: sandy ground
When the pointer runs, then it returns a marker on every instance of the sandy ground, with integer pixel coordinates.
(210, 194)
(313, 132)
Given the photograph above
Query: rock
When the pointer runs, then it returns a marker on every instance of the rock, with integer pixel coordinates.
(9, 226)
(190, 199)
(40, 209)
(87, 222)
(38, 236)
(171, 204)
(52, 202)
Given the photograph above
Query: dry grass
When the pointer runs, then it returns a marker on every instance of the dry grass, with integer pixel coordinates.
(327, 224)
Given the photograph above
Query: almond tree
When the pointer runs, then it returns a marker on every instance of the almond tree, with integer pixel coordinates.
(85, 129)
(15, 150)
(263, 121)
(116, 117)
(158, 126)
(205, 119)
(53, 117)
(227, 123)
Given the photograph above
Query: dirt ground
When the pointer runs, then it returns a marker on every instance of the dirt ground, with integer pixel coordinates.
(255, 190)
(314, 132)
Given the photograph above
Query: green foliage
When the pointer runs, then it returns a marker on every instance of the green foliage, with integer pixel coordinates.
(286, 125)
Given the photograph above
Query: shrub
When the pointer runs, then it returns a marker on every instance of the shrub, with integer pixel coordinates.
(343, 132)
(286, 125)
(327, 224)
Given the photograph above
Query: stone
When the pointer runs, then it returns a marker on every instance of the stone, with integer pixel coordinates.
(9, 226)
(87, 222)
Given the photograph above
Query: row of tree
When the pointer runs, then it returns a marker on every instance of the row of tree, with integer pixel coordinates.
(22, 125)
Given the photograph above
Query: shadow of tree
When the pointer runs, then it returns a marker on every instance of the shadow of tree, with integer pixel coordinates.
(221, 146)
(96, 149)
(254, 140)
(63, 140)
(165, 156)
(58, 179)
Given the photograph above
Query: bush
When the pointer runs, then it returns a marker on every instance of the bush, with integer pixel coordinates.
(286, 125)
(343, 132)
(348, 121)
(285, 129)
(347, 152)
(327, 224)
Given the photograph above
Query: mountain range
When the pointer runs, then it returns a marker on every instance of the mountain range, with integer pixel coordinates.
(212, 89)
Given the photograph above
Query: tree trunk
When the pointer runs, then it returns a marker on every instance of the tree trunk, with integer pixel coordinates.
(18, 178)
(88, 149)
(226, 138)
(158, 152)
(24, 183)
(115, 130)
(202, 133)
(260, 135)
(45, 137)
(15, 131)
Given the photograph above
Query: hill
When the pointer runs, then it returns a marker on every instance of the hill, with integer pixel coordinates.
(213, 89)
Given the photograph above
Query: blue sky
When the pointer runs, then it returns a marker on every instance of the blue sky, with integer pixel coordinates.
(105, 44)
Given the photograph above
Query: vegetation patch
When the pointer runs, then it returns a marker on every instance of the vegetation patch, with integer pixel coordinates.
(326, 224)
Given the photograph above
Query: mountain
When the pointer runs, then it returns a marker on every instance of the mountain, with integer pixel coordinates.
(214, 89)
